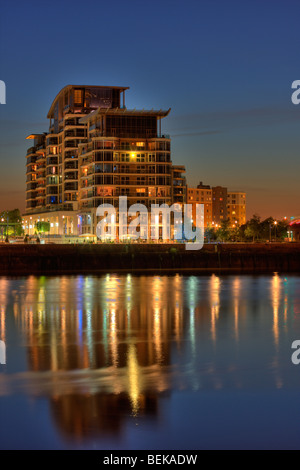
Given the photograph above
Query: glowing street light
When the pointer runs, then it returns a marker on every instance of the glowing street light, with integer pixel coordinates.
(275, 224)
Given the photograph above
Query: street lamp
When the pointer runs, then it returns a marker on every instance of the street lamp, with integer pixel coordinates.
(275, 224)
(270, 226)
(3, 220)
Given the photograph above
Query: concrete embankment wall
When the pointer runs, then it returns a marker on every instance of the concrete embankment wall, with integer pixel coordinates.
(92, 259)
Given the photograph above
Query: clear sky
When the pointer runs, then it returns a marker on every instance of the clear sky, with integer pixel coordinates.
(224, 67)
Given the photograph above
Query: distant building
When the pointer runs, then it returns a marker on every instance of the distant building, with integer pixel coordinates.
(219, 205)
(201, 195)
(236, 208)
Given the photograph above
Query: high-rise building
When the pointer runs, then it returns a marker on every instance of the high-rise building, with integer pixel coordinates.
(236, 208)
(95, 151)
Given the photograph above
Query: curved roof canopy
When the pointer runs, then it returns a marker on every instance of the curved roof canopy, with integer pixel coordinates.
(69, 87)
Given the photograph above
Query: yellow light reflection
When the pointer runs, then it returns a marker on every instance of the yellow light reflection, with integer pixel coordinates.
(275, 293)
(2, 324)
(113, 338)
(157, 291)
(215, 287)
(236, 299)
(134, 379)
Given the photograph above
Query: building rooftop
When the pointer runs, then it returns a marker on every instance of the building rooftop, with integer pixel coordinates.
(70, 87)
(119, 111)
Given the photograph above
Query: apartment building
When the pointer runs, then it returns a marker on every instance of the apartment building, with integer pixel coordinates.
(236, 208)
(219, 202)
(201, 195)
(95, 151)
(219, 205)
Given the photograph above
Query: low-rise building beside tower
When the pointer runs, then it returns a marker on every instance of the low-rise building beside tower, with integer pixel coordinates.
(219, 205)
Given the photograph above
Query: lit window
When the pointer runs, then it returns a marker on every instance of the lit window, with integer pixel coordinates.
(77, 96)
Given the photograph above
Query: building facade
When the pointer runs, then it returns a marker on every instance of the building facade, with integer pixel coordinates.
(236, 208)
(201, 195)
(95, 151)
(219, 205)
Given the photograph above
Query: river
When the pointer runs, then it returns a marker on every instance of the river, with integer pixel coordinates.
(149, 362)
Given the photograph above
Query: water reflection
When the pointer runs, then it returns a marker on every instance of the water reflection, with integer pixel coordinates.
(215, 286)
(105, 349)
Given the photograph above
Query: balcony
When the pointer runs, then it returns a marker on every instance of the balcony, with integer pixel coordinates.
(71, 166)
(52, 161)
(51, 181)
(70, 155)
(31, 150)
(31, 195)
(71, 144)
(87, 160)
(89, 195)
(72, 123)
(31, 159)
(76, 133)
(52, 141)
(40, 147)
(86, 205)
(52, 191)
(70, 176)
(87, 149)
(71, 186)
(88, 173)
(30, 186)
(87, 182)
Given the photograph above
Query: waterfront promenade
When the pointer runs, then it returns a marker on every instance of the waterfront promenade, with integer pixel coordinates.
(26, 259)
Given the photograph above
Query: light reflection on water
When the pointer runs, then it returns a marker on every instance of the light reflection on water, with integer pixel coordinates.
(99, 354)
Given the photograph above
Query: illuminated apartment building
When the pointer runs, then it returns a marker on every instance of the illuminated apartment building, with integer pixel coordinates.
(201, 195)
(219, 205)
(97, 150)
(36, 173)
(236, 208)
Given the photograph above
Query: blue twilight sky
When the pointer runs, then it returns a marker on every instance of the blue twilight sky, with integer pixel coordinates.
(224, 67)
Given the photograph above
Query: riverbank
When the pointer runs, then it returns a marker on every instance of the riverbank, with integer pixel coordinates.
(23, 259)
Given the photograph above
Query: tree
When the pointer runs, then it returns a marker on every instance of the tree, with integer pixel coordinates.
(266, 228)
(11, 223)
(252, 229)
(210, 234)
(42, 227)
(223, 233)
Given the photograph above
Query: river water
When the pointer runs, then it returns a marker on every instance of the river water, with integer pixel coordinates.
(149, 362)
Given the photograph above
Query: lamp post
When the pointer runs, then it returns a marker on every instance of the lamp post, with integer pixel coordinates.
(275, 224)
(3, 220)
